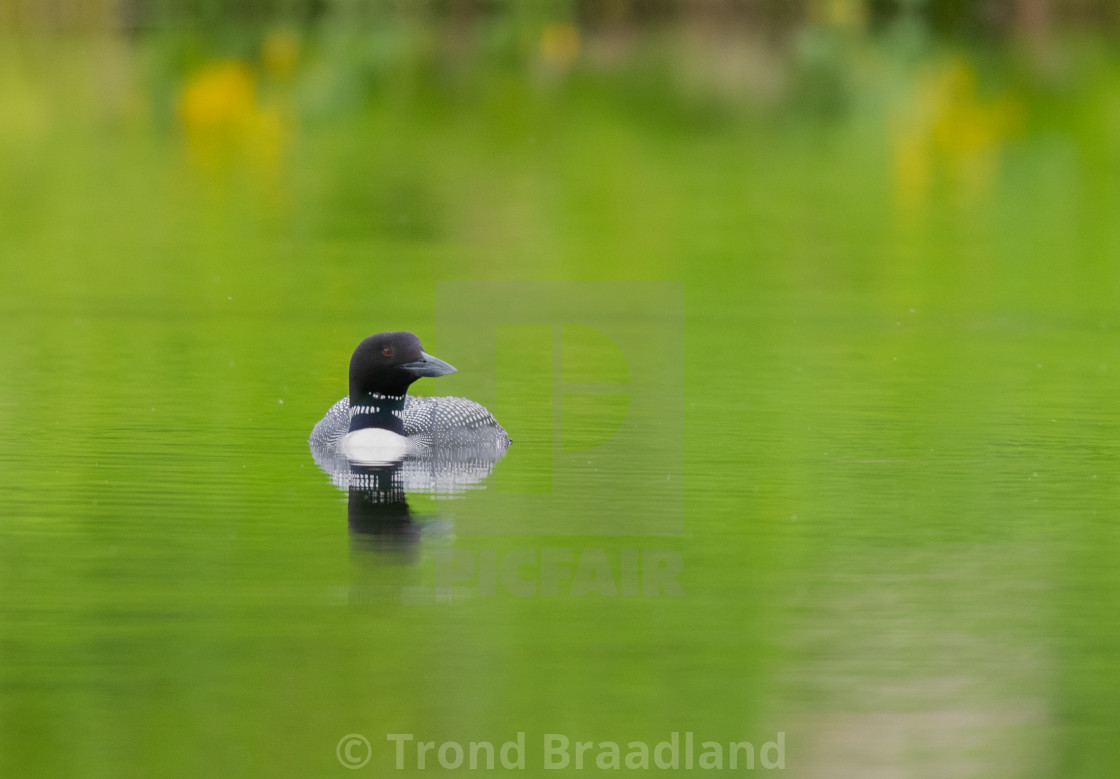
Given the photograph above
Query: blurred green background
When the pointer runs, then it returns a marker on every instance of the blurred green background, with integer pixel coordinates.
(896, 228)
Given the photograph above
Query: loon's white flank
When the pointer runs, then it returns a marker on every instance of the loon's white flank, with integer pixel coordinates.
(374, 446)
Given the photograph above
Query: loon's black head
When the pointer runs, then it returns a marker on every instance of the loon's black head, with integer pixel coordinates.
(387, 363)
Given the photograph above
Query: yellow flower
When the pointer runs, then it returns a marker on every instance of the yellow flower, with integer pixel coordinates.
(218, 100)
(559, 45)
(280, 53)
(224, 122)
(949, 134)
(841, 14)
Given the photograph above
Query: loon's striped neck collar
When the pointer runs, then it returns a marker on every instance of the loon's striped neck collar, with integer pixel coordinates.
(377, 410)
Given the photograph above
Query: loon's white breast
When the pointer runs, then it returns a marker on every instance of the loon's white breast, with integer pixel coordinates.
(374, 446)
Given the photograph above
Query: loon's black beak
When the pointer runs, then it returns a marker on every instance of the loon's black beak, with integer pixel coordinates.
(428, 366)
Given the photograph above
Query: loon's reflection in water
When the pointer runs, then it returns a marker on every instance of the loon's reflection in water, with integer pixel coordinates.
(378, 512)
(379, 517)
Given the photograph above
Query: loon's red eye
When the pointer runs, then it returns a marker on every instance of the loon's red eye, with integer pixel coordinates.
(387, 352)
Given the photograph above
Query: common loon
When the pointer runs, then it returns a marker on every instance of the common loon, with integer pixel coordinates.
(379, 422)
